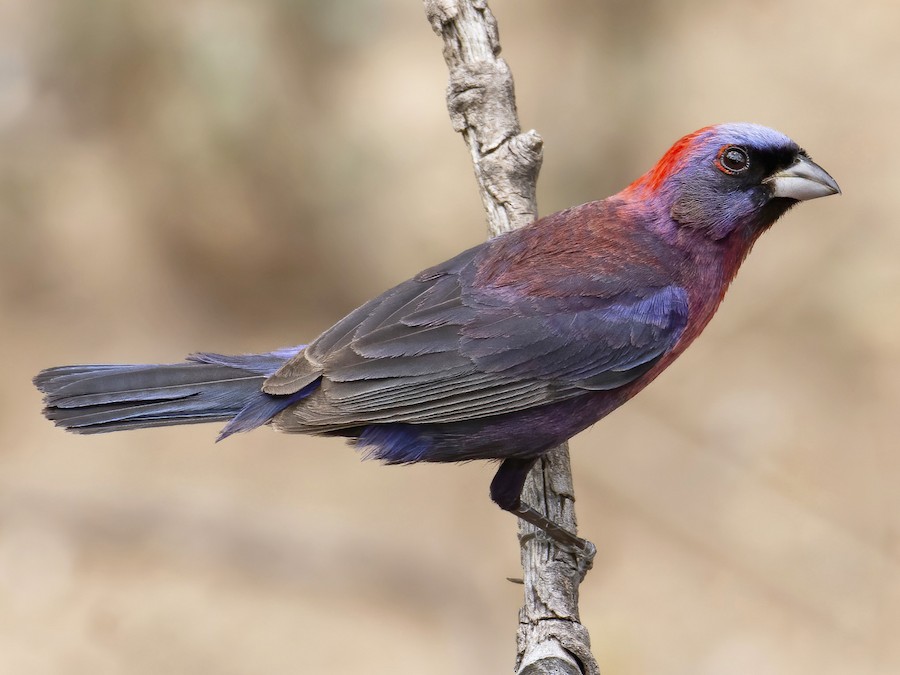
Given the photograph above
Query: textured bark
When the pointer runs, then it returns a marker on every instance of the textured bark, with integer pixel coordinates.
(482, 107)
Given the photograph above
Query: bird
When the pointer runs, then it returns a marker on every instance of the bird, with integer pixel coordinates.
(505, 350)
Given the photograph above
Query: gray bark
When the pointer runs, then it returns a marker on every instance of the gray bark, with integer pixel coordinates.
(482, 107)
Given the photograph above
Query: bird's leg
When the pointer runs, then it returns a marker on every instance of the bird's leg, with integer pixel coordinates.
(506, 491)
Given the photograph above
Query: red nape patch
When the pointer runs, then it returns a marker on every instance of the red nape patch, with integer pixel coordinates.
(655, 177)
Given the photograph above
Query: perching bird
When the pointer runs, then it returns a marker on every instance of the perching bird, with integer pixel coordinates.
(509, 348)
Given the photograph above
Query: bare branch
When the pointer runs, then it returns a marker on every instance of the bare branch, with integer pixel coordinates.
(481, 101)
(482, 108)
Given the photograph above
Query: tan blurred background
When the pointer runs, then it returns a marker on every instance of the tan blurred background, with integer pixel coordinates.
(224, 175)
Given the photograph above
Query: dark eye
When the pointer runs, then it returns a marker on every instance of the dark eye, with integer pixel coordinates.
(734, 159)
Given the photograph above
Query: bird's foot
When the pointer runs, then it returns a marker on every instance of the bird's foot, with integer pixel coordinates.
(582, 550)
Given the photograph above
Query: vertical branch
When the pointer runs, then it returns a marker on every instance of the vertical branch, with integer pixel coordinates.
(482, 107)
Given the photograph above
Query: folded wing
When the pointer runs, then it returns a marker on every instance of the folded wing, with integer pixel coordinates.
(440, 349)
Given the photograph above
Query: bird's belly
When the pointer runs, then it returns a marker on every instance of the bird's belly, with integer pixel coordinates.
(523, 434)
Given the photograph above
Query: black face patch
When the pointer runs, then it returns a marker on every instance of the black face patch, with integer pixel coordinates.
(776, 159)
(759, 165)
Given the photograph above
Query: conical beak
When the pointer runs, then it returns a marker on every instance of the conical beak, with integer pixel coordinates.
(802, 180)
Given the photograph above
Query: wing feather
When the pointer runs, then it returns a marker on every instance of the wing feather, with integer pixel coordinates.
(454, 343)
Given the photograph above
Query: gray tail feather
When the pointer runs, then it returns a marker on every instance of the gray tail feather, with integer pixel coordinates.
(207, 388)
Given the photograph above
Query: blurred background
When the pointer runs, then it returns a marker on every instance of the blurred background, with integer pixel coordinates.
(234, 176)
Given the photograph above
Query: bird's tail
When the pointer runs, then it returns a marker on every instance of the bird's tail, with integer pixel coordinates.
(205, 388)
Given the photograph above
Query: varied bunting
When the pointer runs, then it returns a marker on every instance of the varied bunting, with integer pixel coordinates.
(505, 350)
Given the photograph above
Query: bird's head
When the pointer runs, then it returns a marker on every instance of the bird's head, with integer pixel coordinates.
(730, 178)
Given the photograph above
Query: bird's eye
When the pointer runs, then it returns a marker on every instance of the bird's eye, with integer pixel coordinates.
(733, 159)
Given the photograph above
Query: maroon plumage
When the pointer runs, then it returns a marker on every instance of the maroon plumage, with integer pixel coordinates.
(510, 347)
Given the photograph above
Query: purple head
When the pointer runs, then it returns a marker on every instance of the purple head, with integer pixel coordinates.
(730, 178)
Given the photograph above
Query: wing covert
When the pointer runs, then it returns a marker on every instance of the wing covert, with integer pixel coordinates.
(478, 335)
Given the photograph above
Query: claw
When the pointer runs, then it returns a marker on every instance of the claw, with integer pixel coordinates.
(581, 549)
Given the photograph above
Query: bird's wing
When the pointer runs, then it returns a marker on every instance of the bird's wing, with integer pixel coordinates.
(440, 349)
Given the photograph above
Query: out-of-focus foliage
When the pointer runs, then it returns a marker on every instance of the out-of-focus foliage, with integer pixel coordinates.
(234, 176)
